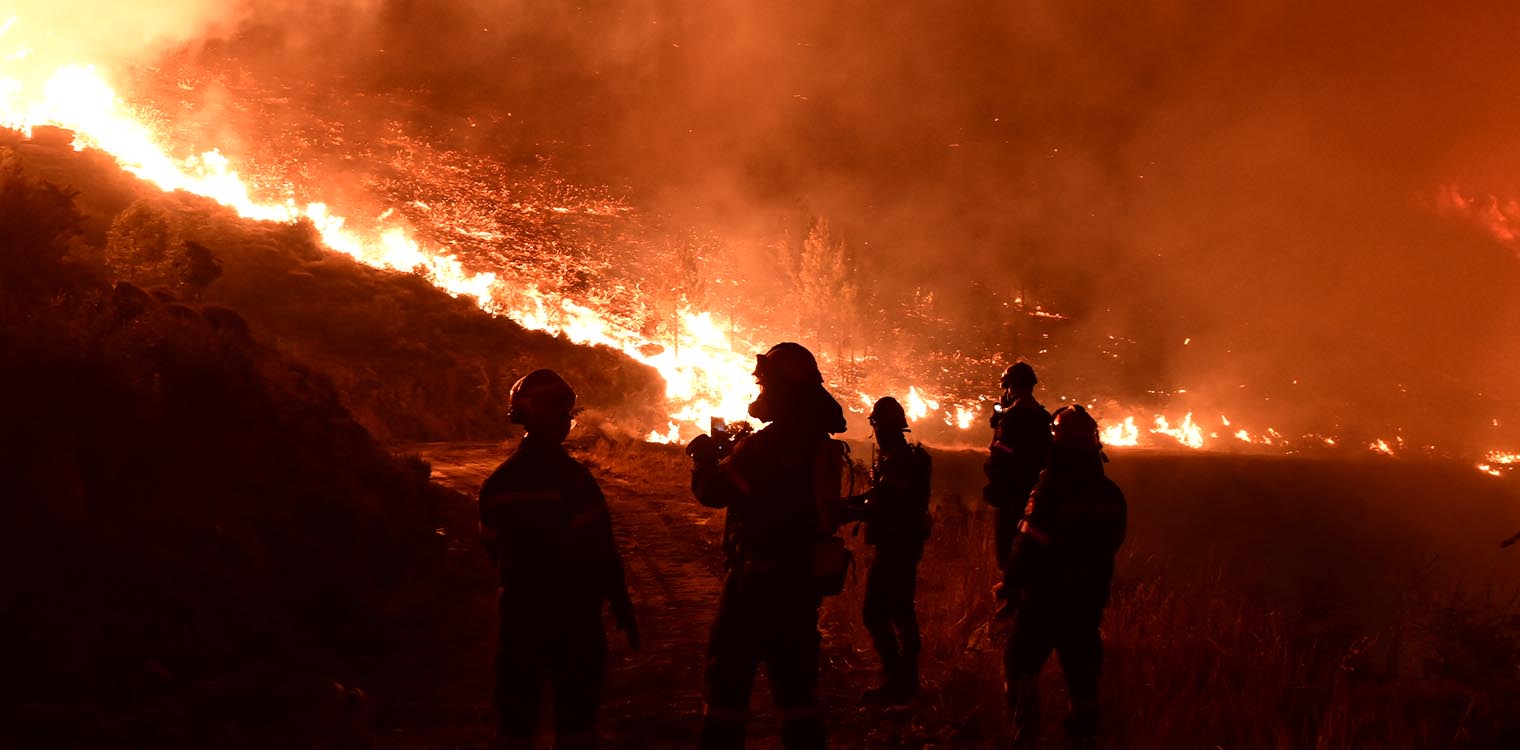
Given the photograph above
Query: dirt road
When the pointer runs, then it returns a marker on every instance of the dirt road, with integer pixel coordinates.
(653, 698)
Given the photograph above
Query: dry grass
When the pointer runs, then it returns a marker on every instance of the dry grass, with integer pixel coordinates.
(1336, 641)
(1208, 665)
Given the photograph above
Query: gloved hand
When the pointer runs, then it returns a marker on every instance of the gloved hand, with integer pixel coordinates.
(703, 450)
(629, 624)
(1007, 600)
(622, 614)
(854, 508)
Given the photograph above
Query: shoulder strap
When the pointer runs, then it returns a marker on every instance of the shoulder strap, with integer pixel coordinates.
(830, 466)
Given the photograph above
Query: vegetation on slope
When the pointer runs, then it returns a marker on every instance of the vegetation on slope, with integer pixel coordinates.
(197, 540)
(409, 361)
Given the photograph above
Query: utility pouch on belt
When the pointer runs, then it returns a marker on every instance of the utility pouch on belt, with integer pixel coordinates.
(831, 564)
(831, 558)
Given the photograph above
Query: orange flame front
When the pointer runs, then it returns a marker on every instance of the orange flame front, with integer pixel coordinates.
(707, 371)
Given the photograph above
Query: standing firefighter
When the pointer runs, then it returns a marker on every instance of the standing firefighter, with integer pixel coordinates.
(548, 531)
(1020, 447)
(781, 488)
(1059, 570)
(896, 514)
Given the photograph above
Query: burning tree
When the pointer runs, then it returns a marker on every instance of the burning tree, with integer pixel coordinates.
(825, 279)
(690, 283)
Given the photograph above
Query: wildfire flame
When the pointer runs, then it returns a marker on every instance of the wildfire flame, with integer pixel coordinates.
(1187, 433)
(1497, 462)
(919, 407)
(1123, 433)
(706, 366)
(705, 373)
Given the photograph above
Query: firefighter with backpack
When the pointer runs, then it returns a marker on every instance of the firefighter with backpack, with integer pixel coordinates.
(1057, 576)
(1019, 450)
(781, 488)
(896, 516)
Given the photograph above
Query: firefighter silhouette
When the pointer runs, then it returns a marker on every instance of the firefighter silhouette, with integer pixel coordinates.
(896, 516)
(1057, 577)
(1020, 447)
(549, 534)
(776, 526)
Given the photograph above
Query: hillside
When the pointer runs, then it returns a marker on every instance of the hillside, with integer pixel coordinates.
(410, 362)
(203, 541)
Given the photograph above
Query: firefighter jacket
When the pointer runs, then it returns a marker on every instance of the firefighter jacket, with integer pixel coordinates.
(770, 484)
(548, 530)
(1020, 448)
(896, 512)
(1073, 525)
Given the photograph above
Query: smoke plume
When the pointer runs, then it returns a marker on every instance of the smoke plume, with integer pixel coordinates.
(1286, 207)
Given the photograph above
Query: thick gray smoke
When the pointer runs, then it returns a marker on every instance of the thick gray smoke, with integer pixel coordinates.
(1270, 182)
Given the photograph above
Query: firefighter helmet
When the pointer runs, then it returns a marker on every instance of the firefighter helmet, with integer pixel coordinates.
(887, 414)
(787, 364)
(1072, 427)
(1019, 374)
(539, 396)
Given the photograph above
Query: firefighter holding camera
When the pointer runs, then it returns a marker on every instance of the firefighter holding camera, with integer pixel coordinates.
(780, 545)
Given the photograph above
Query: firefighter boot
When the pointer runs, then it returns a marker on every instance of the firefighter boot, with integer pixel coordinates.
(889, 691)
(1024, 705)
(1082, 724)
(910, 674)
(900, 685)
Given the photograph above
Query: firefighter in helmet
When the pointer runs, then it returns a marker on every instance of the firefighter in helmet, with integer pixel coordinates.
(896, 516)
(1020, 446)
(549, 534)
(770, 482)
(1058, 572)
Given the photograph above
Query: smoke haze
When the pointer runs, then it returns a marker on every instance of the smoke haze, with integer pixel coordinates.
(1305, 194)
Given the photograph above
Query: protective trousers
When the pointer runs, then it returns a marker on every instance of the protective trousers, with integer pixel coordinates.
(772, 619)
(1070, 627)
(1006, 527)
(570, 657)
(888, 612)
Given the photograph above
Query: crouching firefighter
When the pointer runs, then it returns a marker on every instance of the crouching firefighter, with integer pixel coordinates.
(1058, 572)
(781, 488)
(549, 534)
(896, 516)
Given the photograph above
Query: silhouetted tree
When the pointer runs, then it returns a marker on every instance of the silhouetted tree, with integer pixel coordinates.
(690, 258)
(827, 287)
(690, 293)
